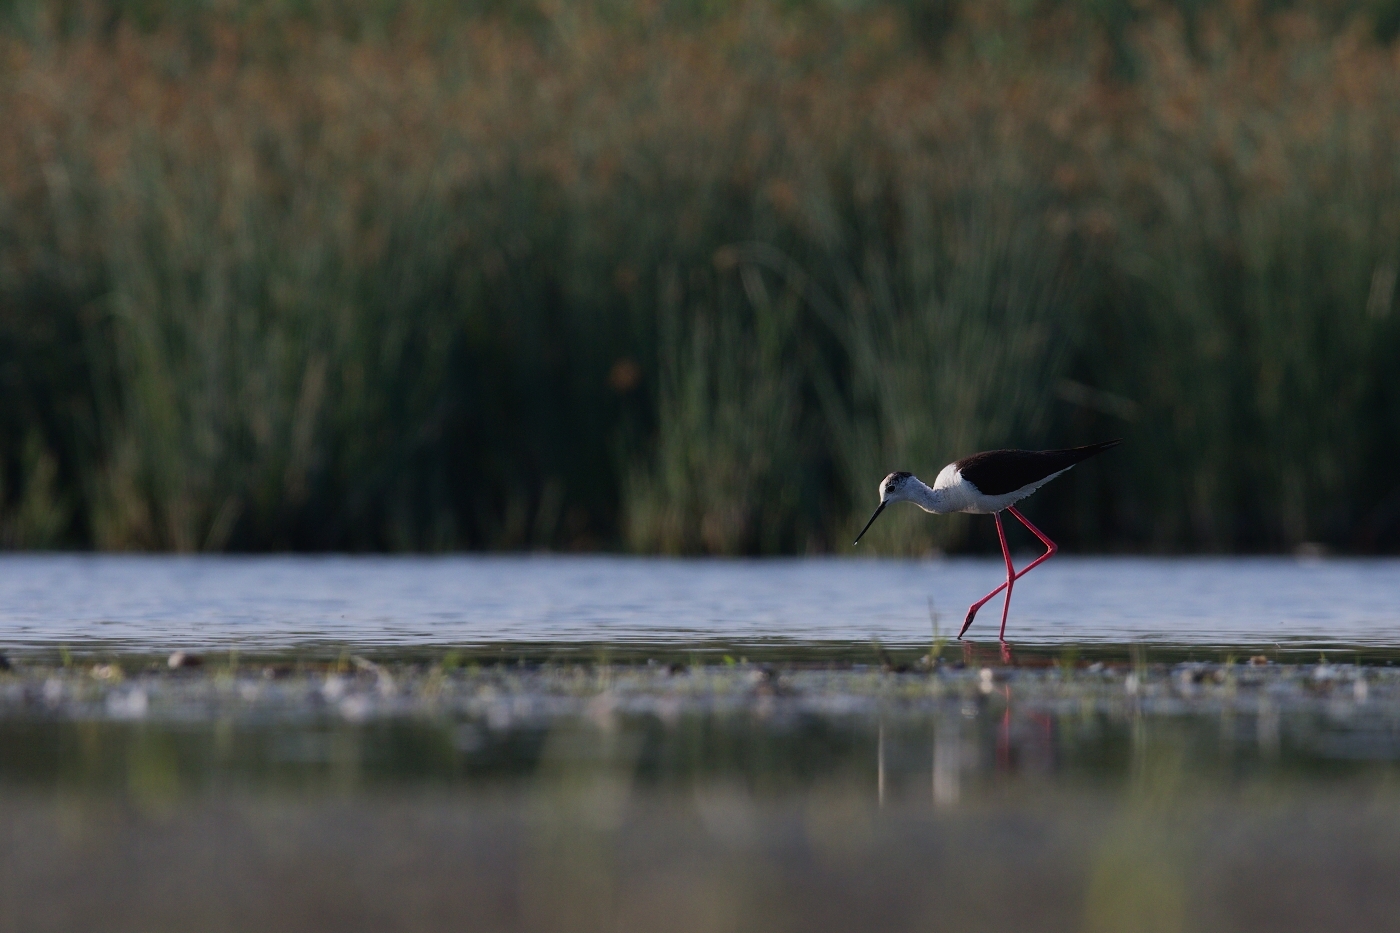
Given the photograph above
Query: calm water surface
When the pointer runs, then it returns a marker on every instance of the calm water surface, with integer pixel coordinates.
(343, 794)
(275, 603)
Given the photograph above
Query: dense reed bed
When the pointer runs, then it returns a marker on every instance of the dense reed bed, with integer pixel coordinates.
(691, 277)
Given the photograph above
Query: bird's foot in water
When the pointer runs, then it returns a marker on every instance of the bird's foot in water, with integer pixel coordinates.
(967, 622)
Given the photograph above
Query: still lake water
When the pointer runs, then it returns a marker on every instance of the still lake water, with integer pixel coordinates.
(1133, 793)
(140, 603)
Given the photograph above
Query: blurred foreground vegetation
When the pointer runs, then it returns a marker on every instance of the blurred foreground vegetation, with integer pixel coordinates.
(354, 796)
(690, 276)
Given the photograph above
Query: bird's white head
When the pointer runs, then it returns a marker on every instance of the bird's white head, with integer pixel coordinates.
(897, 487)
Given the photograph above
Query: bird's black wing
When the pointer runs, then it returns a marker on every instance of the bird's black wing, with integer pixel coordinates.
(997, 472)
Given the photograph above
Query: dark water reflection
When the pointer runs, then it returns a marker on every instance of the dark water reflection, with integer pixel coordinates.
(1127, 796)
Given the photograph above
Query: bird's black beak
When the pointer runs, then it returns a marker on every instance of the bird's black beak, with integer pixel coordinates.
(878, 510)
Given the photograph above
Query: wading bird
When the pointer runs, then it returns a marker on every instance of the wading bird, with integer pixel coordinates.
(987, 483)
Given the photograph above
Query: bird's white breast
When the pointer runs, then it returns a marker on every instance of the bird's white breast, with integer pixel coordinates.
(955, 493)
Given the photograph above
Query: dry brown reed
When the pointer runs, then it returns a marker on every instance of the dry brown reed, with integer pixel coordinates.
(691, 277)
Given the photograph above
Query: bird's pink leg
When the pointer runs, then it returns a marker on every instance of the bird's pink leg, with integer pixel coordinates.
(1010, 579)
(1050, 548)
(1010, 575)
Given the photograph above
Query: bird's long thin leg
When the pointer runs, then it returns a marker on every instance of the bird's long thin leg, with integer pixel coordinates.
(1010, 579)
(1010, 575)
(1050, 548)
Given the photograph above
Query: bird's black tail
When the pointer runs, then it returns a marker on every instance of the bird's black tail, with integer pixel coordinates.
(1078, 454)
(1056, 460)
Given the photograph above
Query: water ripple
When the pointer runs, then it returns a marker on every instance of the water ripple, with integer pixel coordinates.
(272, 603)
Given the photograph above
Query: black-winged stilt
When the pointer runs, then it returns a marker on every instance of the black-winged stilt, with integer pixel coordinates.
(983, 484)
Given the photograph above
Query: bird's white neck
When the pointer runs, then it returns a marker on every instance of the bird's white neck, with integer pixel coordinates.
(928, 499)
